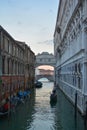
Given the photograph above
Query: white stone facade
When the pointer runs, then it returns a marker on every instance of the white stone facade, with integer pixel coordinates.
(45, 59)
(70, 49)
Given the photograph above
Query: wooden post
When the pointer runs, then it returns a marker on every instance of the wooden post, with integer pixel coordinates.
(76, 104)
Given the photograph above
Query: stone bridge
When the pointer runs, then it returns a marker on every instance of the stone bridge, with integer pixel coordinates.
(49, 77)
(45, 59)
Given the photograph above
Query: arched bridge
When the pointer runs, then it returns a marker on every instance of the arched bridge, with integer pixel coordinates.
(49, 77)
(45, 59)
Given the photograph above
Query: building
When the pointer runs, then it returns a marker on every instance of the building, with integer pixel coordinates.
(15, 59)
(70, 48)
(29, 69)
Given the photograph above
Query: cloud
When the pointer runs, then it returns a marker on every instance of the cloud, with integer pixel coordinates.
(19, 22)
(51, 11)
(44, 28)
(47, 42)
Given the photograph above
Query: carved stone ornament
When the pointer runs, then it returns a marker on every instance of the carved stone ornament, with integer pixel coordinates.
(58, 29)
(59, 48)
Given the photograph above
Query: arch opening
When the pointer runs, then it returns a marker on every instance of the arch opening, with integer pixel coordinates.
(45, 72)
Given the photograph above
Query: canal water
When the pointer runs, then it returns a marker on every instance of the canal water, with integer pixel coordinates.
(38, 114)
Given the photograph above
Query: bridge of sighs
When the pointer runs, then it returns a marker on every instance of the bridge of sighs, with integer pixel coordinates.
(45, 58)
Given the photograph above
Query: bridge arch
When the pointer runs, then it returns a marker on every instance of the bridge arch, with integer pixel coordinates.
(49, 77)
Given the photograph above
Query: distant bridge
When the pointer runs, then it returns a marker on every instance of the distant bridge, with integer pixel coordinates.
(45, 59)
(49, 77)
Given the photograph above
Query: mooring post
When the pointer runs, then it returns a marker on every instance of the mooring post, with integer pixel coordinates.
(85, 118)
(76, 104)
(86, 112)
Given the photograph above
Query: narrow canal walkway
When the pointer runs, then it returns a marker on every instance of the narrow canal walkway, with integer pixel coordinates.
(38, 114)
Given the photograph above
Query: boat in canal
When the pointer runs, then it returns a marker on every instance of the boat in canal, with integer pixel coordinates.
(13, 102)
(5, 108)
(2, 114)
(20, 97)
(38, 84)
(53, 96)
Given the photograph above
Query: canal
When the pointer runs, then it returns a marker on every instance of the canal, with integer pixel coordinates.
(38, 114)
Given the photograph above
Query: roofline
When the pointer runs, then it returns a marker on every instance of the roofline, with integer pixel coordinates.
(2, 29)
(57, 15)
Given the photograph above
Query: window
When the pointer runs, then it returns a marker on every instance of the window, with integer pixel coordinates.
(40, 59)
(3, 65)
(13, 49)
(8, 62)
(9, 47)
(49, 60)
(3, 44)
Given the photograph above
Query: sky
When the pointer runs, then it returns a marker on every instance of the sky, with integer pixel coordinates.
(30, 21)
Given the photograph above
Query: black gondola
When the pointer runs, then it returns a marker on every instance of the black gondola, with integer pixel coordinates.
(38, 84)
(53, 97)
(2, 114)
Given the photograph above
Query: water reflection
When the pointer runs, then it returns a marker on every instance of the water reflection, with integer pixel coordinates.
(43, 116)
(39, 114)
(66, 114)
(43, 80)
(58, 116)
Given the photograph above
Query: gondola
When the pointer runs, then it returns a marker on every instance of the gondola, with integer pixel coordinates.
(4, 113)
(53, 97)
(38, 84)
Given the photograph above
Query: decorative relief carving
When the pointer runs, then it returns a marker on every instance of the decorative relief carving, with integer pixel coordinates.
(85, 25)
(70, 30)
(69, 8)
(73, 29)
